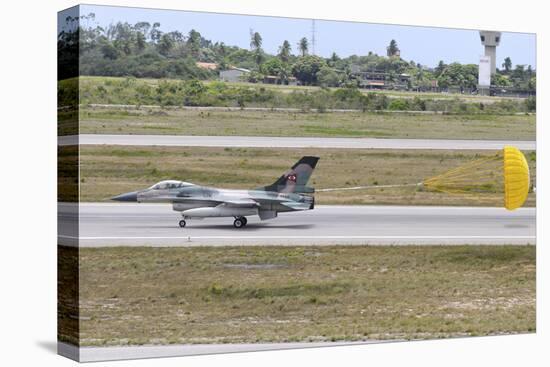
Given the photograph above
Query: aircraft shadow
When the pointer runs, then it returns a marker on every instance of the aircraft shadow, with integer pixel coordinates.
(249, 228)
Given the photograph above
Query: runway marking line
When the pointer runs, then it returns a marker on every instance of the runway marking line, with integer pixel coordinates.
(292, 237)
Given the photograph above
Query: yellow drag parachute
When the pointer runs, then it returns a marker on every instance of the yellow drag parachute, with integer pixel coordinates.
(516, 178)
(506, 172)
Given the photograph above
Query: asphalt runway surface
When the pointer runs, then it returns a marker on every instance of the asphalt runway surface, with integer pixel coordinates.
(129, 224)
(95, 354)
(291, 142)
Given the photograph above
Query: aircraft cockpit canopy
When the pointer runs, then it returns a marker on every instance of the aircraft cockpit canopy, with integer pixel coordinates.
(170, 184)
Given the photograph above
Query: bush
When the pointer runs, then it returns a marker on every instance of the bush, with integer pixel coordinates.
(216, 289)
(347, 94)
(194, 92)
(380, 102)
(531, 104)
(418, 104)
(398, 105)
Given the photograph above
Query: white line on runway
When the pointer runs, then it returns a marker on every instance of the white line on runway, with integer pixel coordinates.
(288, 237)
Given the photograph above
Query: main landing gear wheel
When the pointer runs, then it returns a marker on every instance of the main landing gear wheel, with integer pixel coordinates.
(239, 222)
(182, 223)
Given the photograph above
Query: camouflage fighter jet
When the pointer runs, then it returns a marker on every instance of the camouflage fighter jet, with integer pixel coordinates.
(289, 193)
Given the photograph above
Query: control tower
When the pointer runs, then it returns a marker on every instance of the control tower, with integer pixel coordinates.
(490, 40)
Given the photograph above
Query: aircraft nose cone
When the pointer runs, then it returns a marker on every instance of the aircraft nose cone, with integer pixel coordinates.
(129, 196)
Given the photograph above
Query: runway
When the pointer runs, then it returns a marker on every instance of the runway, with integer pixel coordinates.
(291, 142)
(105, 224)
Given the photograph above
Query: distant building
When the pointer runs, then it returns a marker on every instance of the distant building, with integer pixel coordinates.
(370, 79)
(234, 74)
(273, 79)
(380, 80)
(487, 63)
(355, 69)
(404, 78)
(207, 65)
(490, 40)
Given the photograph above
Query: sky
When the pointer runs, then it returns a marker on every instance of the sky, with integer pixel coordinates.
(425, 45)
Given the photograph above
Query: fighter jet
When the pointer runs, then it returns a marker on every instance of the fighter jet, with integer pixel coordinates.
(289, 193)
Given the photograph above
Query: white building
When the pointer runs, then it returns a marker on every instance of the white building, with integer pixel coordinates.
(234, 74)
(490, 40)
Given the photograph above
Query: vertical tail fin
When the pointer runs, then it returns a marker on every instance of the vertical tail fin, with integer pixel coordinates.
(295, 179)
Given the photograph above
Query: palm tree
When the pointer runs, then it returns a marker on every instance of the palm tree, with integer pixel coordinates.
(392, 48)
(303, 46)
(255, 40)
(284, 51)
(256, 46)
(507, 65)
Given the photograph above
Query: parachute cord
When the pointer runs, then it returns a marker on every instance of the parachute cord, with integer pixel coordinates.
(367, 187)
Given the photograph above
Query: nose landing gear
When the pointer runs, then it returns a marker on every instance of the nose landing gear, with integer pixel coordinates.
(182, 223)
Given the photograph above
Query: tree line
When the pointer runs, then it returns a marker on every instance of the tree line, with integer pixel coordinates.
(144, 50)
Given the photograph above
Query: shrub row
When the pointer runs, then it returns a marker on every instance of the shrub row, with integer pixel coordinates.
(133, 91)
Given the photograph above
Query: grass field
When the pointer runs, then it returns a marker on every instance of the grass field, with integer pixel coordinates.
(110, 170)
(282, 294)
(333, 124)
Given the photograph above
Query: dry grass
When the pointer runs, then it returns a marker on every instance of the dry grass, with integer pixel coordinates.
(255, 123)
(280, 294)
(107, 171)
